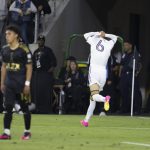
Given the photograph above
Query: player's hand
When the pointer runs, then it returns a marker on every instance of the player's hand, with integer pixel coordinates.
(2, 88)
(28, 12)
(102, 34)
(26, 90)
(40, 8)
(20, 12)
(68, 80)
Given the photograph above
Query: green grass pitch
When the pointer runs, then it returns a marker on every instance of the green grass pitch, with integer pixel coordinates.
(64, 132)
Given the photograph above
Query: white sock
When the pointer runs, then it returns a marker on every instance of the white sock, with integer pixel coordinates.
(90, 110)
(98, 98)
(7, 131)
(26, 130)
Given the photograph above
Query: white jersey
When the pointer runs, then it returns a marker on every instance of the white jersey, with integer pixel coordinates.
(100, 48)
(100, 52)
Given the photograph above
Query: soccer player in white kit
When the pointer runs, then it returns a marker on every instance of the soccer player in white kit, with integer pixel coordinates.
(101, 46)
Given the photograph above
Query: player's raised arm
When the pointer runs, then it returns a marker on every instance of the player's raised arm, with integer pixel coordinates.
(112, 37)
(90, 34)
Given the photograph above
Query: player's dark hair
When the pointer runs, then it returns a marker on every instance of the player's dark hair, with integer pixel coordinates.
(14, 29)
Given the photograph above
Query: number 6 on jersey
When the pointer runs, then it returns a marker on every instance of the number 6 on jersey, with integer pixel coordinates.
(99, 46)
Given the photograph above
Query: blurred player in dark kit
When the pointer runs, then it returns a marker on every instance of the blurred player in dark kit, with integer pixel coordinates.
(16, 74)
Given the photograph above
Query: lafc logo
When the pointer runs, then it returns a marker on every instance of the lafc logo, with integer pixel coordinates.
(13, 66)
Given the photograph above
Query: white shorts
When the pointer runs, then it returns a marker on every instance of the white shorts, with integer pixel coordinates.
(97, 75)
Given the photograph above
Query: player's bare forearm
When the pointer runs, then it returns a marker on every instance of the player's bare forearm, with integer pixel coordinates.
(3, 77)
(3, 73)
(26, 90)
(28, 72)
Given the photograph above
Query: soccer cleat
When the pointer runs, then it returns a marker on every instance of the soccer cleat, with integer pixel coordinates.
(106, 104)
(84, 123)
(26, 136)
(5, 136)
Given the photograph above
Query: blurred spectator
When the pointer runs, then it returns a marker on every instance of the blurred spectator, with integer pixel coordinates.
(44, 62)
(9, 2)
(111, 84)
(74, 85)
(126, 80)
(42, 5)
(21, 15)
(65, 70)
(44, 9)
(3, 16)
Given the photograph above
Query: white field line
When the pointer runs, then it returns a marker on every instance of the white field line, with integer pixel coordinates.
(144, 118)
(126, 128)
(136, 144)
(121, 128)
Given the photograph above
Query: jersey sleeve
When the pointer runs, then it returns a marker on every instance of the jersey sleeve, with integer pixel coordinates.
(88, 36)
(112, 37)
(29, 57)
(28, 54)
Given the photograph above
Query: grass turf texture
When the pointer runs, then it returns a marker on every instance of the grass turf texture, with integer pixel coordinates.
(56, 132)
